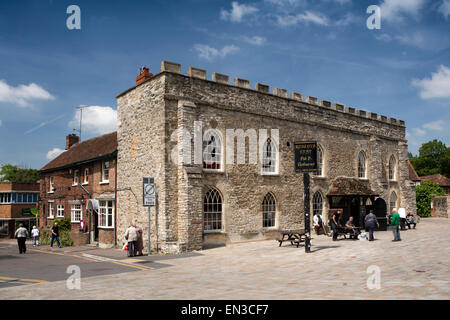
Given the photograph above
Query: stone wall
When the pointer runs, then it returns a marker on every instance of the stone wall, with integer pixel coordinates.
(441, 206)
(150, 113)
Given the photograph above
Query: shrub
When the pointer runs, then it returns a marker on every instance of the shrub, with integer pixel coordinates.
(424, 194)
(64, 236)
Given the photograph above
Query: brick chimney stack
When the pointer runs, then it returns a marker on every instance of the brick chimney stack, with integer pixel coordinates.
(71, 139)
(144, 74)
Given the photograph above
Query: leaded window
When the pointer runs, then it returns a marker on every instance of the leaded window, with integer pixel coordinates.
(320, 162)
(269, 209)
(269, 157)
(362, 166)
(317, 203)
(212, 210)
(212, 151)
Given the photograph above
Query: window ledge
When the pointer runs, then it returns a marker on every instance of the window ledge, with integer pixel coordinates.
(270, 174)
(74, 185)
(104, 182)
(363, 179)
(51, 192)
(213, 171)
(106, 228)
(50, 218)
(213, 231)
(265, 229)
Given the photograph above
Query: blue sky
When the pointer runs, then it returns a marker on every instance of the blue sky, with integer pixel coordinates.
(317, 48)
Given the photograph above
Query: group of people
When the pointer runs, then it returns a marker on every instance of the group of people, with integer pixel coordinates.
(135, 242)
(22, 235)
(370, 223)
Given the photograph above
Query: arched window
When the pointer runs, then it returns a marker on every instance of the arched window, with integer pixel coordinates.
(317, 203)
(269, 209)
(362, 166)
(269, 157)
(320, 162)
(212, 151)
(392, 168)
(393, 201)
(212, 210)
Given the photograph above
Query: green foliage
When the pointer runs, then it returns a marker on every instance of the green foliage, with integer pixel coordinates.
(64, 233)
(12, 173)
(434, 157)
(424, 193)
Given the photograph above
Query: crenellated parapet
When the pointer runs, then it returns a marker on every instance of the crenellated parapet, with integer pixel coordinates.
(167, 66)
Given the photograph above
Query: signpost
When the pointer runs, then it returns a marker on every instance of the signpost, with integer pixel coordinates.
(148, 199)
(306, 162)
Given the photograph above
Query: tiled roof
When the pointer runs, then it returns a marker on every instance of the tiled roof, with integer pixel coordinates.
(412, 173)
(439, 179)
(84, 151)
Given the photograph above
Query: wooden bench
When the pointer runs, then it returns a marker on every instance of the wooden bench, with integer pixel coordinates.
(342, 231)
(294, 237)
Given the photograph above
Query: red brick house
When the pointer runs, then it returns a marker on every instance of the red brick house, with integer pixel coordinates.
(16, 202)
(80, 184)
(440, 180)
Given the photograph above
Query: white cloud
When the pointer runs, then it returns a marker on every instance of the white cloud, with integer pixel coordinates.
(237, 12)
(22, 94)
(438, 125)
(415, 39)
(438, 86)
(445, 8)
(255, 40)
(52, 154)
(307, 17)
(347, 19)
(209, 53)
(96, 119)
(419, 131)
(395, 10)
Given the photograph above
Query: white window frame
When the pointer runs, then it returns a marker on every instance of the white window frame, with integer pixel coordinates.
(273, 157)
(206, 151)
(76, 177)
(51, 185)
(73, 212)
(51, 209)
(103, 207)
(59, 209)
(86, 176)
(5, 197)
(105, 181)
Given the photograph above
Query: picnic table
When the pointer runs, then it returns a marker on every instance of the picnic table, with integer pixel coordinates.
(292, 236)
(343, 231)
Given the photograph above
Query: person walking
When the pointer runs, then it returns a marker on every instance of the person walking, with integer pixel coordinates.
(55, 235)
(370, 222)
(35, 235)
(140, 241)
(131, 236)
(395, 222)
(21, 234)
(335, 223)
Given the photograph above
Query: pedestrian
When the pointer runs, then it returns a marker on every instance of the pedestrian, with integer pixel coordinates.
(140, 241)
(318, 224)
(21, 234)
(131, 236)
(55, 235)
(370, 222)
(410, 220)
(335, 223)
(350, 225)
(35, 235)
(402, 214)
(395, 222)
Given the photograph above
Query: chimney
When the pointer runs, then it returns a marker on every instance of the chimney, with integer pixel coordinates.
(71, 139)
(144, 74)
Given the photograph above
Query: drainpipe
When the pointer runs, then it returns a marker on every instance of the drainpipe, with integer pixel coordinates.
(90, 197)
(115, 203)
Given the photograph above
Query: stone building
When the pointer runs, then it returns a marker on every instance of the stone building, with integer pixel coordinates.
(17, 205)
(80, 184)
(166, 120)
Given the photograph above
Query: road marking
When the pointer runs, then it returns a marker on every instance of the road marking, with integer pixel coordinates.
(23, 280)
(119, 262)
(64, 254)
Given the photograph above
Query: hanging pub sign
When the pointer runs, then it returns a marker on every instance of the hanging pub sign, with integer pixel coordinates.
(305, 157)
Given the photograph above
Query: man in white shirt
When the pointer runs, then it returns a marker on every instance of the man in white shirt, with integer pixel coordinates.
(318, 223)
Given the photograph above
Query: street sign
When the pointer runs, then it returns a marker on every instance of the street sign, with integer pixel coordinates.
(149, 192)
(305, 157)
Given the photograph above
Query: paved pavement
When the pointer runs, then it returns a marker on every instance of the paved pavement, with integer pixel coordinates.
(416, 268)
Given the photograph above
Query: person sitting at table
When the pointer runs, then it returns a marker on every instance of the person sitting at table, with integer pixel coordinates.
(318, 223)
(410, 220)
(350, 225)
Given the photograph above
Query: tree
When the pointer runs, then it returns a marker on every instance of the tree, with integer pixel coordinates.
(424, 194)
(434, 157)
(12, 173)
